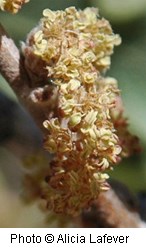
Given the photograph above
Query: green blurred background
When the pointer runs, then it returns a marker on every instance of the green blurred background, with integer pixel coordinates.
(128, 18)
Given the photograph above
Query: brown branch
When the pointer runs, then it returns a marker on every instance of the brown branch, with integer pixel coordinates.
(9, 61)
(108, 210)
(13, 70)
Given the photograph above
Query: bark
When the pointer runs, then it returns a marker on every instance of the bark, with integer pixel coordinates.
(13, 70)
(109, 211)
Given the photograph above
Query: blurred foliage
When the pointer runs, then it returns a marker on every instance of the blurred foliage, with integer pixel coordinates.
(121, 11)
(128, 67)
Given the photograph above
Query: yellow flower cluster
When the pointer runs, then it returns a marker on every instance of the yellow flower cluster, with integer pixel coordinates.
(75, 48)
(12, 6)
(84, 142)
(77, 43)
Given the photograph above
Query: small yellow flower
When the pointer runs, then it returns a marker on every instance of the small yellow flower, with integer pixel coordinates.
(12, 6)
(91, 117)
(75, 119)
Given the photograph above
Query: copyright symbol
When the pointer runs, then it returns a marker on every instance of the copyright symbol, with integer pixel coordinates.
(49, 238)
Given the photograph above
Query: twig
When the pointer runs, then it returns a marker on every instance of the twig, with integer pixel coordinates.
(109, 211)
(13, 70)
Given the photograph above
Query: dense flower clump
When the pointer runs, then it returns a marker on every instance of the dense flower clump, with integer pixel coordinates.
(71, 51)
(12, 6)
